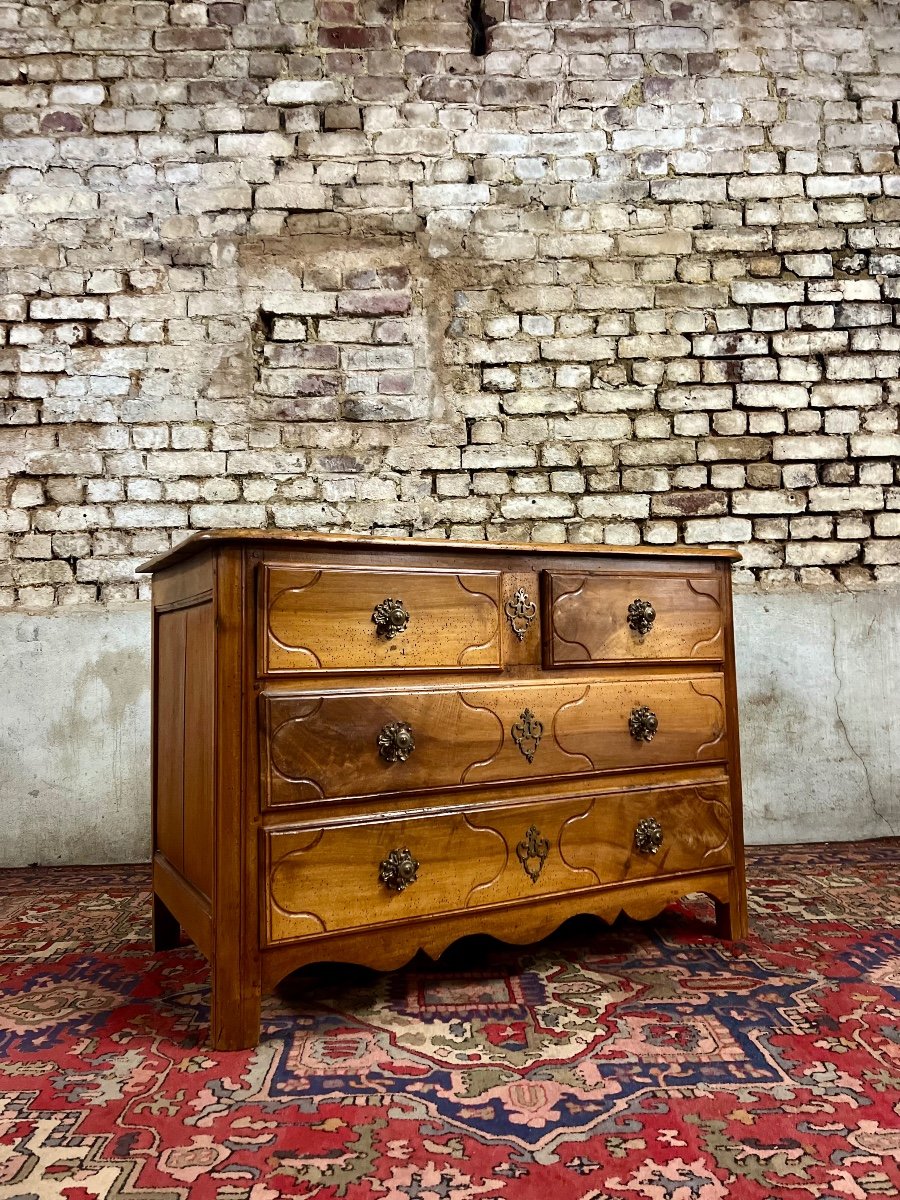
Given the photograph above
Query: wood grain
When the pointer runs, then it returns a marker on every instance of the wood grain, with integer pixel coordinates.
(320, 619)
(327, 878)
(199, 752)
(695, 822)
(364, 545)
(586, 617)
(324, 746)
(171, 638)
(323, 879)
(521, 923)
(273, 807)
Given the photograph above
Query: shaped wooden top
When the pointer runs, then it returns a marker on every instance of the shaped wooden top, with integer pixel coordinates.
(295, 537)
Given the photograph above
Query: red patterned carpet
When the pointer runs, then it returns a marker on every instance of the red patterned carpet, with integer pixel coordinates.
(644, 1062)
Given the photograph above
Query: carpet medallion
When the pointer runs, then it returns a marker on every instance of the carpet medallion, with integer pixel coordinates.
(649, 1062)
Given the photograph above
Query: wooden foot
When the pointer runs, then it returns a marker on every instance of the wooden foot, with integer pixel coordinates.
(731, 918)
(234, 1014)
(166, 930)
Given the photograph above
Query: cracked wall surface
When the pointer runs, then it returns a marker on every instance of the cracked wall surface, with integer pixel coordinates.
(630, 275)
(819, 686)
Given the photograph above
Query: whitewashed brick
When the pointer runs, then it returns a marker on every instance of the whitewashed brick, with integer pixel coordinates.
(78, 94)
(845, 499)
(721, 529)
(68, 308)
(451, 195)
(255, 145)
(772, 395)
(820, 553)
(727, 345)
(286, 92)
(875, 445)
(410, 297)
(809, 446)
(300, 196)
(577, 349)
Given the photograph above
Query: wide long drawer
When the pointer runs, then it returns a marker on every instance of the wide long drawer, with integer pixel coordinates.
(613, 615)
(326, 878)
(336, 618)
(351, 743)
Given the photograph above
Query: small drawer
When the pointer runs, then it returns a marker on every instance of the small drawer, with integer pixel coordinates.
(608, 616)
(338, 877)
(333, 619)
(319, 746)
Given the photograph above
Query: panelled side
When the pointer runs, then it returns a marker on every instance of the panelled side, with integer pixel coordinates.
(184, 716)
(731, 919)
(199, 738)
(168, 833)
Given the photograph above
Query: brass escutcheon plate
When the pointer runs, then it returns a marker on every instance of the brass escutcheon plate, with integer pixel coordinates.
(532, 853)
(527, 733)
(520, 612)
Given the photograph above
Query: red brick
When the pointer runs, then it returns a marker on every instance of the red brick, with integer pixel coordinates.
(226, 14)
(189, 39)
(350, 37)
(400, 384)
(374, 304)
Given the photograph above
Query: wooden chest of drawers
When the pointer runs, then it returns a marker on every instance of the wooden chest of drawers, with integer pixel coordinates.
(364, 747)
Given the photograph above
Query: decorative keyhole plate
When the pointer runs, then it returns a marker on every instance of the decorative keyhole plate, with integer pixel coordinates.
(532, 853)
(527, 733)
(520, 612)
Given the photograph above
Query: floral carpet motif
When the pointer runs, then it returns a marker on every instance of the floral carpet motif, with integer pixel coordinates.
(648, 1062)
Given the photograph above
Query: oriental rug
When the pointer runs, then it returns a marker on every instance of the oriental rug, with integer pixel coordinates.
(647, 1062)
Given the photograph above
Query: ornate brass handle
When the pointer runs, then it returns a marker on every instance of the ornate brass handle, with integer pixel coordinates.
(396, 742)
(390, 618)
(398, 870)
(648, 835)
(641, 615)
(643, 724)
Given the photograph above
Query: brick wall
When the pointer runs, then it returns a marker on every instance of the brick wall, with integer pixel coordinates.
(631, 275)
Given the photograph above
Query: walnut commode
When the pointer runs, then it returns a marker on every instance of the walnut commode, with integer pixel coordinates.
(363, 747)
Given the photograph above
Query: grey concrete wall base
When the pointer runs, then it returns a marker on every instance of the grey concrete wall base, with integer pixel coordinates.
(819, 682)
(819, 690)
(74, 736)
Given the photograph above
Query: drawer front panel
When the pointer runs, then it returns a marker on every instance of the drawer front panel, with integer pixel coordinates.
(321, 619)
(657, 831)
(329, 878)
(326, 746)
(605, 616)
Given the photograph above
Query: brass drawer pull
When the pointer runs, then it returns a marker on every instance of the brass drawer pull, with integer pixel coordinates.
(648, 835)
(398, 870)
(390, 618)
(396, 742)
(527, 733)
(520, 612)
(641, 615)
(643, 724)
